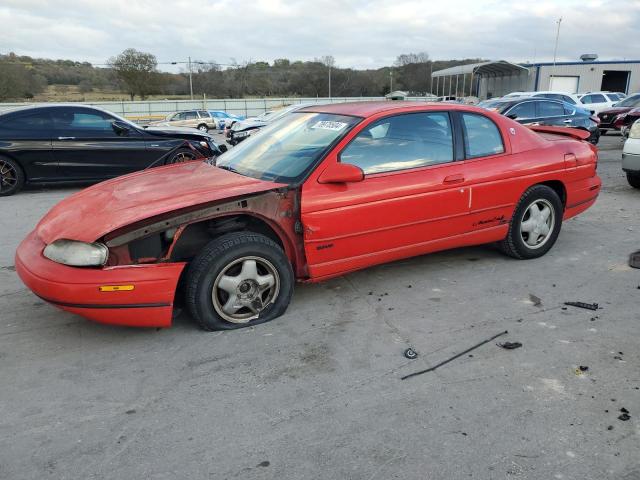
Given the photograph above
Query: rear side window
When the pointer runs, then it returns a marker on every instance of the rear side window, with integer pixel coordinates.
(550, 109)
(613, 97)
(204, 114)
(27, 121)
(568, 99)
(481, 136)
(401, 142)
(190, 115)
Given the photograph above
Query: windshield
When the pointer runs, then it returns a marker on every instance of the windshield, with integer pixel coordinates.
(286, 150)
(633, 101)
(492, 104)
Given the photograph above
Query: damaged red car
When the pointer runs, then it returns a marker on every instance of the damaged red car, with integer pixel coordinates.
(324, 191)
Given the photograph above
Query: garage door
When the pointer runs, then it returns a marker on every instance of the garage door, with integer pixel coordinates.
(564, 84)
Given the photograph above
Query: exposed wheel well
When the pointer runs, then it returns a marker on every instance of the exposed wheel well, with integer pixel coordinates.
(559, 188)
(197, 235)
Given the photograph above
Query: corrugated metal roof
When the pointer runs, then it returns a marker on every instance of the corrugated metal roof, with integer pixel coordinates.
(498, 67)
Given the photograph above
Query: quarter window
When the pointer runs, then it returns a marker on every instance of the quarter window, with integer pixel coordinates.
(401, 142)
(481, 136)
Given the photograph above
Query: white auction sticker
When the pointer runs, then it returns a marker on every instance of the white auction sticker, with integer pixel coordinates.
(327, 125)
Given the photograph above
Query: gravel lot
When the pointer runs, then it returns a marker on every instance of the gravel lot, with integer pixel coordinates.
(317, 394)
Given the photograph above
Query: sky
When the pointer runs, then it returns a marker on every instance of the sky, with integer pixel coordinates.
(357, 33)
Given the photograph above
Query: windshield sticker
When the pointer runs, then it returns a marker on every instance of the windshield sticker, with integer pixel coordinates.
(327, 125)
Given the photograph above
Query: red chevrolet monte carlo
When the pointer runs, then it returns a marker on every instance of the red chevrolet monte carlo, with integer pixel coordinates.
(325, 191)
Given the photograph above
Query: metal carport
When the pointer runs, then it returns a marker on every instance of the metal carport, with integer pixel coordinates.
(497, 68)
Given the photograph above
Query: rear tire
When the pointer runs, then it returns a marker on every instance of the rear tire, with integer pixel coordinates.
(203, 128)
(603, 132)
(633, 179)
(535, 224)
(11, 177)
(238, 280)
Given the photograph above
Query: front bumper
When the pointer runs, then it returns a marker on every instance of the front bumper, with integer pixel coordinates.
(77, 290)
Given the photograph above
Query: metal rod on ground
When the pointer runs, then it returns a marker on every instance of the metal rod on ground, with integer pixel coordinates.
(454, 357)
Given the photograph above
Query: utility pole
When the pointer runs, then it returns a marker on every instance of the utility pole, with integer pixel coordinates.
(190, 79)
(555, 52)
(390, 80)
(329, 80)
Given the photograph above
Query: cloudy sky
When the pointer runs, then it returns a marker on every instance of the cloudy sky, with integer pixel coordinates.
(357, 33)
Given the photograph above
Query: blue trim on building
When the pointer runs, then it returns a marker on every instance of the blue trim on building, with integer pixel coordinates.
(598, 62)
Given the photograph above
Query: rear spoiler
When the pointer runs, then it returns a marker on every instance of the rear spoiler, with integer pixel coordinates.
(576, 133)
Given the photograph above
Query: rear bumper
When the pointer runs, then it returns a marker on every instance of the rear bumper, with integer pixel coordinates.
(149, 304)
(631, 155)
(581, 195)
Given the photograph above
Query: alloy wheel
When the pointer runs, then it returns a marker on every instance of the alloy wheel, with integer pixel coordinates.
(537, 223)
(8, 176)
(244, 288)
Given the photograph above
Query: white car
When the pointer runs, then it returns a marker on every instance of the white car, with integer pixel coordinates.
(565, 97)
(597, 101)
(631, 155)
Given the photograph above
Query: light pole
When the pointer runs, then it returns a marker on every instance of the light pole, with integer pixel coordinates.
(329, 80)
(390, 80)
(555, 53)
(190, 80)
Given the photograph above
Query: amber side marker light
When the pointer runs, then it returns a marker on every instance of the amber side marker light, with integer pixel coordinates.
(116, 288)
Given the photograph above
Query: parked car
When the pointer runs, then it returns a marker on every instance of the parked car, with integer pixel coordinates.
(321, 192)
(562, 96)
(598, 101)
(70, 143)
(540, 111)
(619, 116)
(224, 119)
(631, 155)
(241, 130)
(200, 119)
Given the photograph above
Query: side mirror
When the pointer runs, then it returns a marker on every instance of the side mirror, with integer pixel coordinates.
(341, 173)
(512, 116)
(120, 128)
(222, 147)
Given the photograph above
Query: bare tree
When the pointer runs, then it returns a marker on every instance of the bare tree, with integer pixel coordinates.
(137, 71)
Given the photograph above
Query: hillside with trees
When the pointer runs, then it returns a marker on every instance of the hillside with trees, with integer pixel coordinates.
(135, 75)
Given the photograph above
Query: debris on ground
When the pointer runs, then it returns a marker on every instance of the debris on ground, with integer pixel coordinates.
(610, 427)
(410, 353)
(509, 345)
(624, 417)
(634, 260)
(537, 301)
(454, 357)
(588, 306)
(583, 368)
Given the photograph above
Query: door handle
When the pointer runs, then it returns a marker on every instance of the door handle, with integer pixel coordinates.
(66, 138)
(566, 121)
(457, 178)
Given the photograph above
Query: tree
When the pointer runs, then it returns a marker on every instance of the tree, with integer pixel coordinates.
(137, 71)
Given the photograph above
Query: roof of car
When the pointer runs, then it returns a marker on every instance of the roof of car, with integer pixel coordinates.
(367, 109)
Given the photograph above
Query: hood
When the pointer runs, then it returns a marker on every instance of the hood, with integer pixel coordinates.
(608, 111)
(92, 213)
(166, 131)
(248, 123)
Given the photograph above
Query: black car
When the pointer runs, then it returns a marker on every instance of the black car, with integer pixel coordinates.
(75, 143)
(542, 111)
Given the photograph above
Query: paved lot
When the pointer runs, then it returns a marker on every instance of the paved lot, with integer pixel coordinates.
(317, 393)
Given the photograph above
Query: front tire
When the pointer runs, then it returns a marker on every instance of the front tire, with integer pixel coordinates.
(633, 179)
(11, 177)
(535, 225)
(238, 280)
(180, 156)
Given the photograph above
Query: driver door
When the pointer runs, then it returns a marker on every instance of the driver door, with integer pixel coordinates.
(86, 147)
(413, 199)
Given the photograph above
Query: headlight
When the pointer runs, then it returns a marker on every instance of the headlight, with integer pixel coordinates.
(77, 254)
(635, 130)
